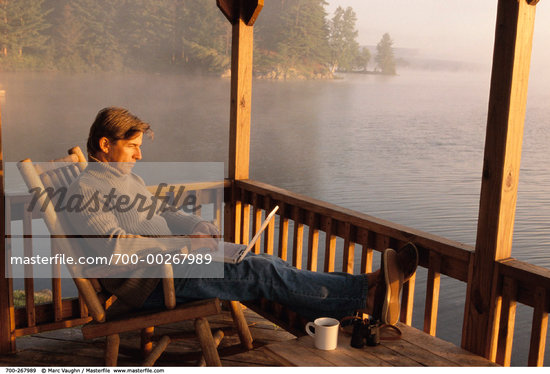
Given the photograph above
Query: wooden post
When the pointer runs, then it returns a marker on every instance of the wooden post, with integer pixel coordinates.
(242, 14)
(241, 96)
(507, 102)
(7, 327)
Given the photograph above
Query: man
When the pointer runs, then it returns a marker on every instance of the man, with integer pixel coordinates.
(114, 147)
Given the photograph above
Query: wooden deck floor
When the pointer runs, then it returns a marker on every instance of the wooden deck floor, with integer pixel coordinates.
(273, 347)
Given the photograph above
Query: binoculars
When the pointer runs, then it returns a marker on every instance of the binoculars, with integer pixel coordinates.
(365, 332)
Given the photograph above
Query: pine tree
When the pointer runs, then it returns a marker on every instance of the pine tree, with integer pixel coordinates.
(67, 41)
(144, 29)
(336, 38)
(362, 60)
(23, 25)
(99, 46)
(385, 60)
(267, 32)
(304, 34)
(343, 39)
(206, 36)
(4, 29)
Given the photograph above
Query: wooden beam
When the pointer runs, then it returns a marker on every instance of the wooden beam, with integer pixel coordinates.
(507, 102)
(7, 324)
(248, 10)
(242, 14)
(241, 97)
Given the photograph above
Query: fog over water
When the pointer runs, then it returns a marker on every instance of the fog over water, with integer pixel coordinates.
(407, 149)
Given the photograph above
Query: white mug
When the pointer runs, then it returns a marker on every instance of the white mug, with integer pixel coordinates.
(326, 332)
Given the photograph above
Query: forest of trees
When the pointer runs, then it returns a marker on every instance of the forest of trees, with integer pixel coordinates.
(293, 38)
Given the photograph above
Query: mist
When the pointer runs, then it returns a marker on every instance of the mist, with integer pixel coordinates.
(460, 30)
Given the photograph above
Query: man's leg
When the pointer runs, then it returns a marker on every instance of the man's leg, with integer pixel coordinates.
(310, 294)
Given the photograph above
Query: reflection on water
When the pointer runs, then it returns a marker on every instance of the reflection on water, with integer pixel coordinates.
(407, 149)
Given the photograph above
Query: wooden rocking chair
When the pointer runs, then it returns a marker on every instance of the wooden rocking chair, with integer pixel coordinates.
(61, 173)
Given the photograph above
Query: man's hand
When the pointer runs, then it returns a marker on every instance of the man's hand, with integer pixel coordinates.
(205, 242)
(210, 233)
(207, 228)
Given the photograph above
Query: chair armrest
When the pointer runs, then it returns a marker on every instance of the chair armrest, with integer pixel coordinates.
(168, 286)
(91, 299)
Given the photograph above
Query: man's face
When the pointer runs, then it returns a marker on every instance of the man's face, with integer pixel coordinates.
(124, 153)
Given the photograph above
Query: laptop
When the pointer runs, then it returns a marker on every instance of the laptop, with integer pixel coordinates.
(234, 253)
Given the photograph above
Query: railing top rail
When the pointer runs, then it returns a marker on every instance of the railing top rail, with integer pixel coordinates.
(530, 276)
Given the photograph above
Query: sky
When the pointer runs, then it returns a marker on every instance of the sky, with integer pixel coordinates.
(448, 29)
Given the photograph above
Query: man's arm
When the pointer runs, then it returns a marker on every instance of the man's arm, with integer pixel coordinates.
(103, 231)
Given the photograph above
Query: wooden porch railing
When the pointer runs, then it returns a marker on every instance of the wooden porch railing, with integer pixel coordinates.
(360, 235)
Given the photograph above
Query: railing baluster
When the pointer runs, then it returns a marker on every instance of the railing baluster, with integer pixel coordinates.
(218, 203)
(257, 220)
(238, 219)
(367, 251)
(432, 294)
(330, 245)
(298, 238)
(312, 242)
(270, 230)
(407, 293)
(28, 269)
(381, 242)
(539, 329)
(283, 232)
(349, 250)
(246, 219)
(507, 321)
(407, 301)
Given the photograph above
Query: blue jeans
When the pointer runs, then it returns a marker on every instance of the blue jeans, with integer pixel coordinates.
(310, 294)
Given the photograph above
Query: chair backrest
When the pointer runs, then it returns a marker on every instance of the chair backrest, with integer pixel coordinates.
(51, 176)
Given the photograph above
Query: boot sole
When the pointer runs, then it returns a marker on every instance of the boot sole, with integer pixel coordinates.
(391, 308)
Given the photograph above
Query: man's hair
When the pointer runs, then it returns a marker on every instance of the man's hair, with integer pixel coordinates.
(115, 124)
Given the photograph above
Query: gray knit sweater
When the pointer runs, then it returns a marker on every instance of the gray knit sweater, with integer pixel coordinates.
(104, 184)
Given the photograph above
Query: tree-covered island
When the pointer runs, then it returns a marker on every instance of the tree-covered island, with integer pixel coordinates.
(295, 39)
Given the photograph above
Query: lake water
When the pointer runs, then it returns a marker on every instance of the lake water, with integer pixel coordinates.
(407, 149)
